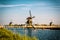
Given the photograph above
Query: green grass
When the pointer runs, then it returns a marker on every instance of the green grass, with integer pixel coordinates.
(8, 35)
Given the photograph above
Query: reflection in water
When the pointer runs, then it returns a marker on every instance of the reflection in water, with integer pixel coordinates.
(45, 34)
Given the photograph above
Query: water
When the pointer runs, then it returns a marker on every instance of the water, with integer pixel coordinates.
(45, 34)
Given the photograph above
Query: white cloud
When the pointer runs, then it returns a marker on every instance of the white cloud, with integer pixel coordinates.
(28, 5)
(15, 5)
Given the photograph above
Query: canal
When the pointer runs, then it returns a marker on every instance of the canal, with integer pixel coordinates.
(44, 34)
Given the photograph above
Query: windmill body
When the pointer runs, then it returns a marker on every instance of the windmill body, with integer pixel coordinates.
(29, 19)
(29, 23)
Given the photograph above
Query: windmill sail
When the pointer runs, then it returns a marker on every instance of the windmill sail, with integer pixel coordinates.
(30, 13)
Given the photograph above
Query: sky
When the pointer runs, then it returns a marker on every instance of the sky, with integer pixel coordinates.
(17, 11)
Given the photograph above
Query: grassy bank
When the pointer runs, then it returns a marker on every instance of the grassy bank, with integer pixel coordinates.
(8, 35)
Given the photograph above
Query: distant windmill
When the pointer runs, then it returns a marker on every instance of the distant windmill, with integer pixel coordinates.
(29, 23)
(51, 23)
(10, 23)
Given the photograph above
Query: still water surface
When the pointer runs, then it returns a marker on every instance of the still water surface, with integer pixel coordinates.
(45, 34)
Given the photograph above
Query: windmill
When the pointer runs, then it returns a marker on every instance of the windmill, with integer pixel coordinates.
(29, 23)
(10, 23)
(29, 19)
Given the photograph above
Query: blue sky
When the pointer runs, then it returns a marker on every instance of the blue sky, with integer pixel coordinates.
(18, 10)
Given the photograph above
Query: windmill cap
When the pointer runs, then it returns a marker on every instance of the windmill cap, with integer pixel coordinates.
(29, 18)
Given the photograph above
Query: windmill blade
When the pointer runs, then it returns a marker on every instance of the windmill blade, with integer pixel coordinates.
(33, 17)
(30, 13)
